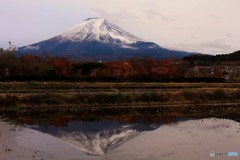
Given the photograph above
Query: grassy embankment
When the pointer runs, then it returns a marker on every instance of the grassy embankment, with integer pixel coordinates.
(65, 98)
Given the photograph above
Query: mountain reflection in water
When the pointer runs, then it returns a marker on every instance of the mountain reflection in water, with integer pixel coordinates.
(96, 138)
(111, 139)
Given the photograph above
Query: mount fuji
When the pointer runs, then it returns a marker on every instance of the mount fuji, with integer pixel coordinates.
(99, 137)
(99, 39)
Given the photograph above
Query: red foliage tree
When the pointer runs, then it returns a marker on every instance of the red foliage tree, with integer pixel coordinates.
(62, 65)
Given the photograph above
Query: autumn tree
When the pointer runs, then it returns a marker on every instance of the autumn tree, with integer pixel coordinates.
(120, 69)
(62, 65)
(31, 65)
(9, 64)
(165, 69)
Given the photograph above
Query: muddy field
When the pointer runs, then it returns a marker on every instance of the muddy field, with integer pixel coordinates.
(65, 101)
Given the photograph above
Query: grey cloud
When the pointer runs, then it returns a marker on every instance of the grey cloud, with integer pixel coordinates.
(166, 18)
(117, 16)
(193, 37)
(216, 17)
(211, 47)
(228, 35)
(216, 45)
(151, 13)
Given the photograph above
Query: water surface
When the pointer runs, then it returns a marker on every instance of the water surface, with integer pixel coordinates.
(108, 139)
(193, 139)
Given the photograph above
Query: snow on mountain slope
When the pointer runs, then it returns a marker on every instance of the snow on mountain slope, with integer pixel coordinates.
(98, 39)
(98, 29)
(98, 143)
(96, 138)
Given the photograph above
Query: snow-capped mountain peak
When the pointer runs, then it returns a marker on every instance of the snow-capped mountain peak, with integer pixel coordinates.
(98, 39)
(98, 29)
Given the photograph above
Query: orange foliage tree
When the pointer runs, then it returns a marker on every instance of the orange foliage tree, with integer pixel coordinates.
(165, 69)
(62, 65)
(120, 69)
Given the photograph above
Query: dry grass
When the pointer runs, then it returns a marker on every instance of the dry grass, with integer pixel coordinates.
(90, 101)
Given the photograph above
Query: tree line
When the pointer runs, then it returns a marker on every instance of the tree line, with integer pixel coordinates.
(134, 69)
(235, 56)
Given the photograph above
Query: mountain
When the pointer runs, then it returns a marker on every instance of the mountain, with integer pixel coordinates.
(235, 56)
(99, 39)
(96, 138)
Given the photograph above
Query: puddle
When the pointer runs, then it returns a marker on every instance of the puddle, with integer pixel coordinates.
(111, 140)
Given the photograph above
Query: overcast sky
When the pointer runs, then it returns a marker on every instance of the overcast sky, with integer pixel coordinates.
(206, 26)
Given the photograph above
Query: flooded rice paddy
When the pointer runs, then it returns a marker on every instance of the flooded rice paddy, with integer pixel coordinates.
(109, 139)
